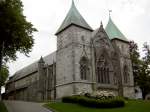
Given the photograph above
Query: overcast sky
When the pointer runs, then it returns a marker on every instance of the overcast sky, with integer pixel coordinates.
(131, 16)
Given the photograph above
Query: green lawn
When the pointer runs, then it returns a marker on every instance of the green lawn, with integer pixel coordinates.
(131, 106)
(2, 107)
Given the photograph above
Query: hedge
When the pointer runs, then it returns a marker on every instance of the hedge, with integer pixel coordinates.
(95, 103)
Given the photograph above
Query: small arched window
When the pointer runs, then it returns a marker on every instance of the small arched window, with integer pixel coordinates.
(84, 68)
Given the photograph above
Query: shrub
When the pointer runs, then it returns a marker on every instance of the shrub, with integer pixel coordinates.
(87, 94)
(71, 99)
(3, 107)
(96, 103)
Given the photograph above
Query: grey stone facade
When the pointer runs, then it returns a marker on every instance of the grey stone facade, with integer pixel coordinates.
(85, 61)
(36, 82)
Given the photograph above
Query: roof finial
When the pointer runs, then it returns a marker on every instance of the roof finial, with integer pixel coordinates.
(110, 13)
(101, 26)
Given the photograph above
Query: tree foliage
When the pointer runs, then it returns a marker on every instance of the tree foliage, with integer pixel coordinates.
(144, 78)
(16, 33)
(4, 75)
(146, 49)
(141, 68)
(135, 58)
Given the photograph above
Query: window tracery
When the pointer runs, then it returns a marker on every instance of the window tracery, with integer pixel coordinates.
(103, 71)
(84, 68)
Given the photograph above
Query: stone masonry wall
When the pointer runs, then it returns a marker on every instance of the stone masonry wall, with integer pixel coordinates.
(69, 52)
(123, 49)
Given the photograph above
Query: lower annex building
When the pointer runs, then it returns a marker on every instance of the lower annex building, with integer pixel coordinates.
(86, 60)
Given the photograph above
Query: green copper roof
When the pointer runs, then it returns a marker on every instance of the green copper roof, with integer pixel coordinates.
(73, 17)
(113, 32)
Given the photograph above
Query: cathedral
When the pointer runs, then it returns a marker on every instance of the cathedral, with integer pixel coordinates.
(86, 60)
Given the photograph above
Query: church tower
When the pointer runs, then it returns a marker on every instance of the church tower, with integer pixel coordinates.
(73, 54)
(124, 70)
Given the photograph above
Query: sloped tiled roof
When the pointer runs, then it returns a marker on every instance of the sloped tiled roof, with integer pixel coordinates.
(49, 59)
(113, 32)
(73, 17)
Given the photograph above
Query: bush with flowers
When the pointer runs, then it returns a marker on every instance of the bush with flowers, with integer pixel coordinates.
(97, 99)
(101, 95)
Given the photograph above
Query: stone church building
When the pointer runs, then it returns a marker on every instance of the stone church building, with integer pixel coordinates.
(86, 60)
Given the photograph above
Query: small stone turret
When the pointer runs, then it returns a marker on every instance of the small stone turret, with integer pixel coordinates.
(42, 76)
(41, 60)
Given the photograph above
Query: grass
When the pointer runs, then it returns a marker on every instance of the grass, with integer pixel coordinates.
(2, 107)
(131, 106)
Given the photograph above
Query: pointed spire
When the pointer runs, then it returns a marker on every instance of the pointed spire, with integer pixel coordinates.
(113, 32)
(41, 60)
(73, 17)
(73, 3)
(101, 29)
(101, 26)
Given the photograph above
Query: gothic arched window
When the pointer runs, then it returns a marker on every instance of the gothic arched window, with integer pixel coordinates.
(126, 74)
(84, 69)
(103, 71)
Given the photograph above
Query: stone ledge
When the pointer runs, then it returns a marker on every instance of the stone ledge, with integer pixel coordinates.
(75, 82)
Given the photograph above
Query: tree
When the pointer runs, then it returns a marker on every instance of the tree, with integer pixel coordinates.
(135, 58)
(146, 49)
(4, 75)
(144, 78)
(141, 70)
(16, 33)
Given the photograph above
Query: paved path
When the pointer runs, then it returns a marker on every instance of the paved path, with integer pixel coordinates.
(20, 106)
